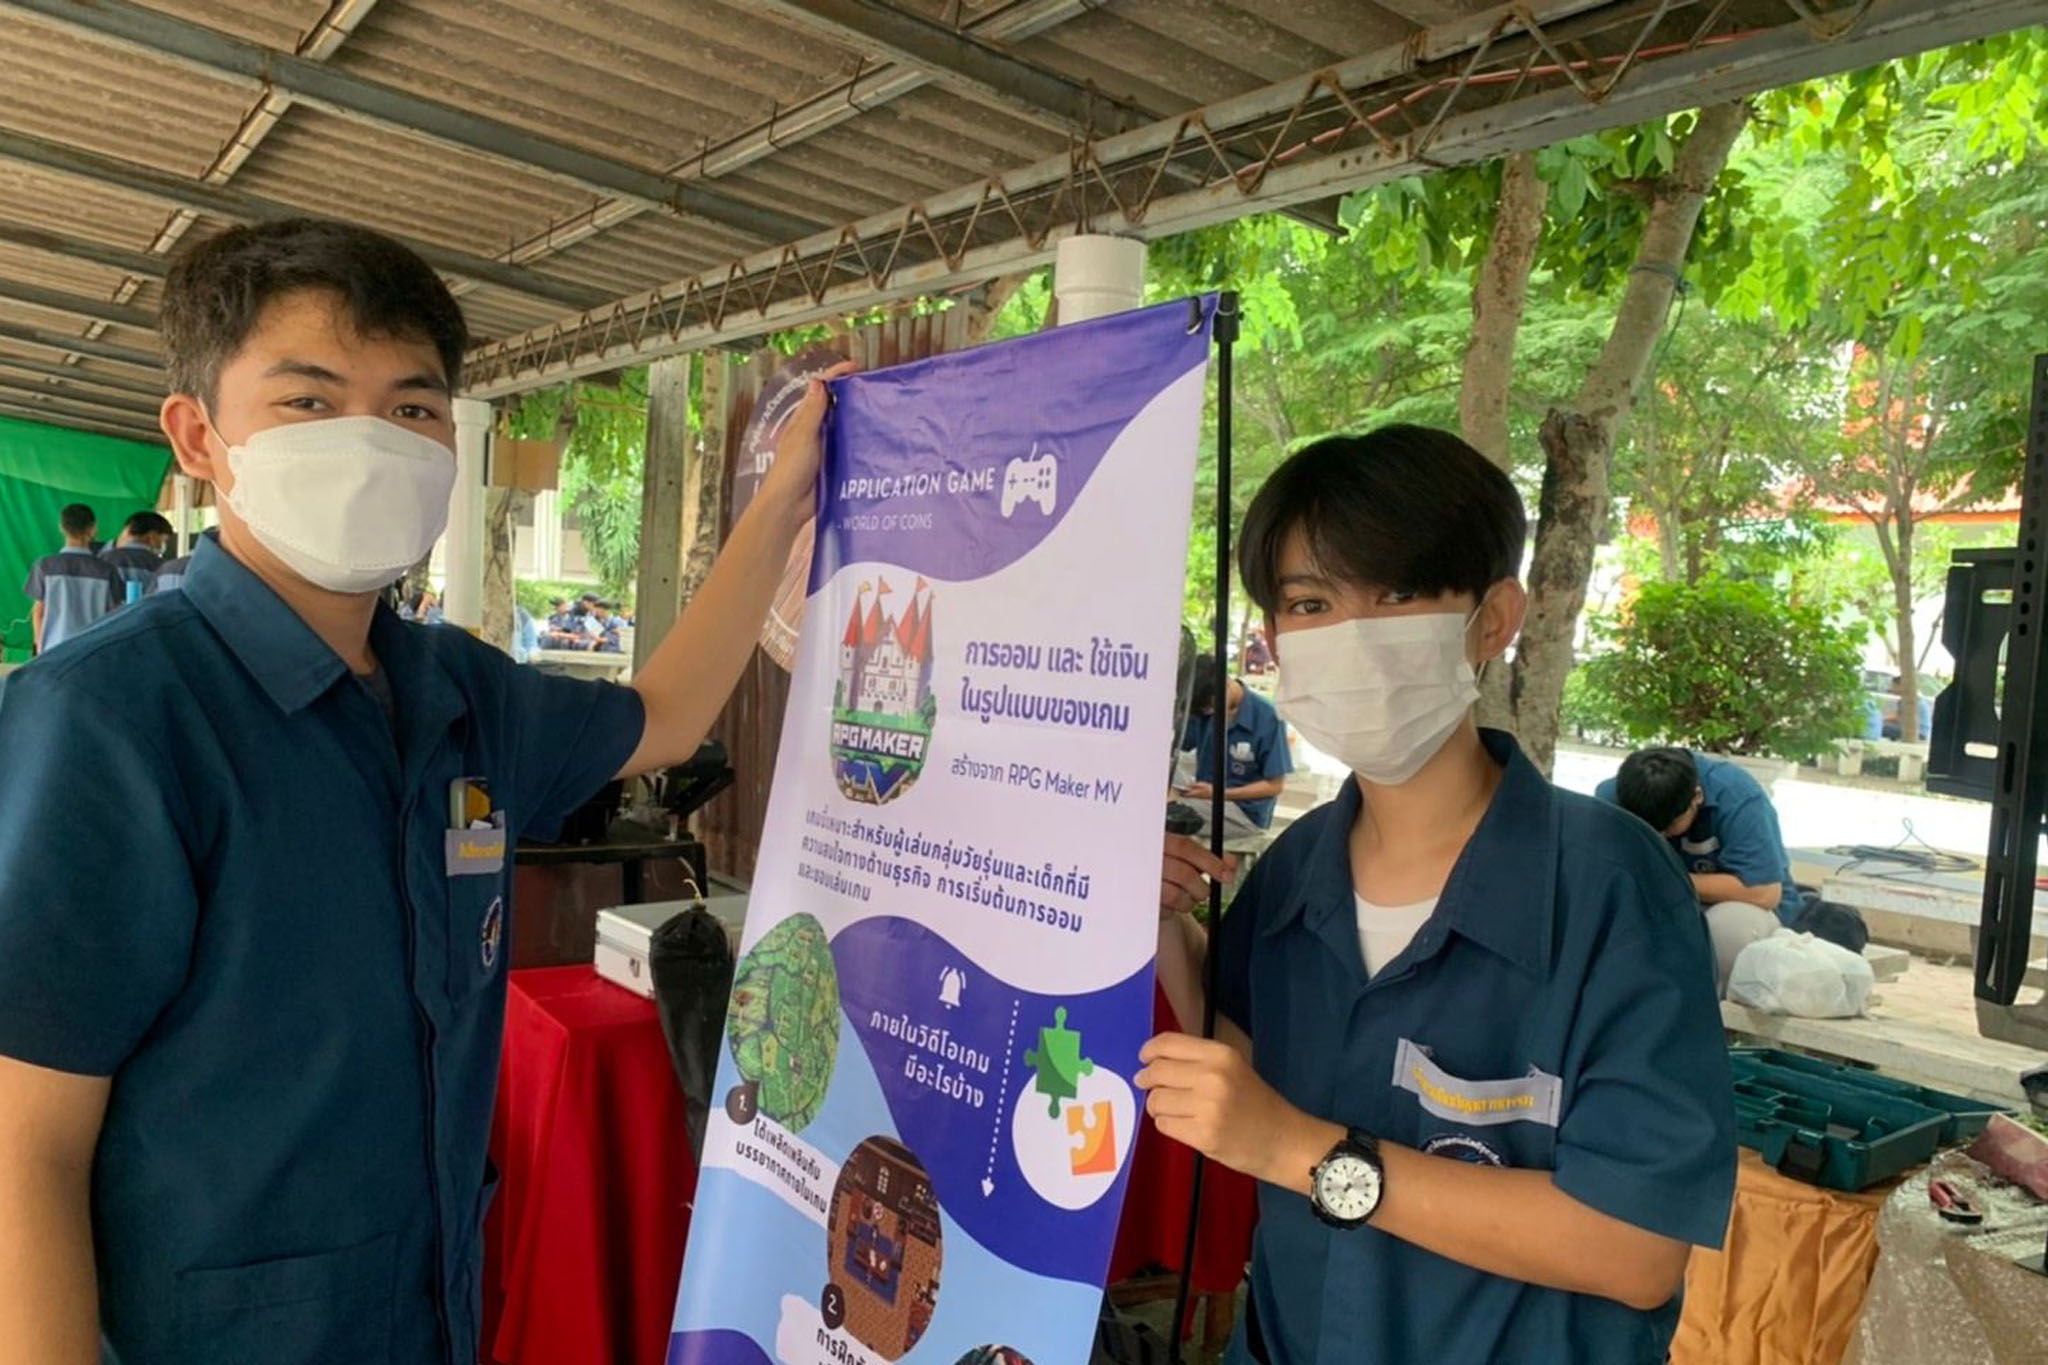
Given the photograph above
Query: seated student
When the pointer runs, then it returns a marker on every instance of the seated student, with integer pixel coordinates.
(1724, 829)
(139, 553)
(604, 628)
(1469, 1041)
(1257, 747)
(72, 588)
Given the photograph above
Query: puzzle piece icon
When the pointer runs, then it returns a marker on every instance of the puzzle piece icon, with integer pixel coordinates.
(1058, 1061)
(1094, 1128)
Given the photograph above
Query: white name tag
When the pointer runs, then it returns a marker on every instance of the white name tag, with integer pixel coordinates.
(1534, 1098)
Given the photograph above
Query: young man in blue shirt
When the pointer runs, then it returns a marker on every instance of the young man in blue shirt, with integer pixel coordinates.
(252, 969)
(139, 553)
(1724, 829)
(1256, 747)
(1469, 1041)
(72, 588)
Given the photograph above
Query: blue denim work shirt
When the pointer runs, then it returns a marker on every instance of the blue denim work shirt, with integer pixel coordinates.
(227, 883)
(1556, 1012)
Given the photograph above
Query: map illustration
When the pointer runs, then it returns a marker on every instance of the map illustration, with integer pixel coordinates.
(783, 1023)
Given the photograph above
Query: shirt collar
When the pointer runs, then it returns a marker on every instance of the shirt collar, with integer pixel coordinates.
(76, 550)
(1501, 893)
(281, 652)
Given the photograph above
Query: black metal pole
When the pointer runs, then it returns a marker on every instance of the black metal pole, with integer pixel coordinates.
(1219, 725)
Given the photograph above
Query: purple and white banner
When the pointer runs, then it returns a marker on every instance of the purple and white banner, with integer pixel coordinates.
(927, 1115)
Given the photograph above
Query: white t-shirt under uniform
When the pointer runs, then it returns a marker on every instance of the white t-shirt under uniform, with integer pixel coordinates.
(1385, 931)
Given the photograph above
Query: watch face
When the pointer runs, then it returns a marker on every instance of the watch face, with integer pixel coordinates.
(1348, 1188)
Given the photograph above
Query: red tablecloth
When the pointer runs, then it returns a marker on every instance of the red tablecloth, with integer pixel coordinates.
(585, 1240)
(1155, 1226)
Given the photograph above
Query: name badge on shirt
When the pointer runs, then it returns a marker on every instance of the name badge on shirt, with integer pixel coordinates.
(475, 852)
(1534, 1098)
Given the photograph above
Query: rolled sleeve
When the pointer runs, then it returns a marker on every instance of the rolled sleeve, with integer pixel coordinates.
(98, 906)
(574, 736)
(1751, 847)
(1649, 1129)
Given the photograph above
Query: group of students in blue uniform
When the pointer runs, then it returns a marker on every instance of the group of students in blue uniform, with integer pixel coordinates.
(251, 993)
(85, 580)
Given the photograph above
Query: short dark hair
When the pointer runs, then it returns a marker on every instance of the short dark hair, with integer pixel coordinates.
(148, 524)
(217, 291)
(1656, 785)
(1404, 507)
(77, 520)
(1202, 691)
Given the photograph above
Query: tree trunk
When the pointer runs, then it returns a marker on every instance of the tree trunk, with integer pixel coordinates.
(985, 304)
(1498, 294)
(1668, 544)
(501, 510)
(658, 596)
(1579, 442)
(704, 481)
(1902, 606)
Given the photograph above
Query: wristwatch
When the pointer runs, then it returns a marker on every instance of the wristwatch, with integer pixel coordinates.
(1345, 1187)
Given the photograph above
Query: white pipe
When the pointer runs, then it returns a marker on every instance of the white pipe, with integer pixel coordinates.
(462, 598)
(181, 514)
(1097, 275)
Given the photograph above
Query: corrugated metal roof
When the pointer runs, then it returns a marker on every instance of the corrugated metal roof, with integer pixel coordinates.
(787, 123)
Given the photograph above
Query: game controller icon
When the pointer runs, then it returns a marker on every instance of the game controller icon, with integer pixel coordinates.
(1031, 478)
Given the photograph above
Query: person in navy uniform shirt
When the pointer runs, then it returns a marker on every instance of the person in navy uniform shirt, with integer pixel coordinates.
(73, 588)
(1256, 746)
(1469, 1041)
(252, 969)
(139, 553)
(1724, 829)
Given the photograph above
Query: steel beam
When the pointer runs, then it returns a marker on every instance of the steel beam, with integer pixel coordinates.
(79, 249)
(22, 389)
(806, 119)
(29, 412)
(961, 62)
(99, 350)
(72, 413)
(72, 374)
(753, 296)
(338, 92)
(79, 305)
(242, 207)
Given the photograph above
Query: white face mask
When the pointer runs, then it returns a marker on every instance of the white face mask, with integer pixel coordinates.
(347, 503)
(1379, 694)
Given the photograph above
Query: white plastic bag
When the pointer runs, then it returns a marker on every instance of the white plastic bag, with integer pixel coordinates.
(1790, 973)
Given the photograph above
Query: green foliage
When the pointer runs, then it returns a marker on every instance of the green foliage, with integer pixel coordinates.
(1729, 668)
(601, 464)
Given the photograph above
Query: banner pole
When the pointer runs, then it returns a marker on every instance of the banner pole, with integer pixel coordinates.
(1225, 334)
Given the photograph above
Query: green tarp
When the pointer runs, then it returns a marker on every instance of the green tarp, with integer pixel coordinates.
(43, 468)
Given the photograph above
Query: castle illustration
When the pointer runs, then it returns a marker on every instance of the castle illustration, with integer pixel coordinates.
(885, 662)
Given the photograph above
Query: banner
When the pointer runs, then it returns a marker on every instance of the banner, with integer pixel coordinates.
(946, 972)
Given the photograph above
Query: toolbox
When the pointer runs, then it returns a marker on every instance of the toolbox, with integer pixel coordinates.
(1966, 1116)
(1839, 1127)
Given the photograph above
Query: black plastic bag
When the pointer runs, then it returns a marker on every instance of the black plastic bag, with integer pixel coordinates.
(692, 967)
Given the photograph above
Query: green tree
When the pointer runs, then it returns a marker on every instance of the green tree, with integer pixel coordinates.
(1730, 668)
(602, 464)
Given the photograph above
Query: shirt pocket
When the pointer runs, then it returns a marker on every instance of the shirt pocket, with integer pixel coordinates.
(297, 1310)
(479, 924)
(1508, 1121)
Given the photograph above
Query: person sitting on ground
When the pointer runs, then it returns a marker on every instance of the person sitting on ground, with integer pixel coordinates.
(72, 588)
(1722, 825)
(604, 628)
(1256, 742)
(139, 552)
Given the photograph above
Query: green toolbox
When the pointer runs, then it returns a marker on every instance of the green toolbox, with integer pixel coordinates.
(1841, 1127)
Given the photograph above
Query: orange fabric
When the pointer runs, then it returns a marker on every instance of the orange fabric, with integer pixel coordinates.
(1788, 1286)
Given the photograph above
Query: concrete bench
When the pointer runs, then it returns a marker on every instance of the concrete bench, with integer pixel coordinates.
(1850, 753)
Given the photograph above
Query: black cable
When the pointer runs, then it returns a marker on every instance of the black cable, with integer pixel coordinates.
(1225, 336)
(1927, 860)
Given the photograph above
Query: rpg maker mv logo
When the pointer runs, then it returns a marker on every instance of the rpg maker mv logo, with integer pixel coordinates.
(883, 708)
